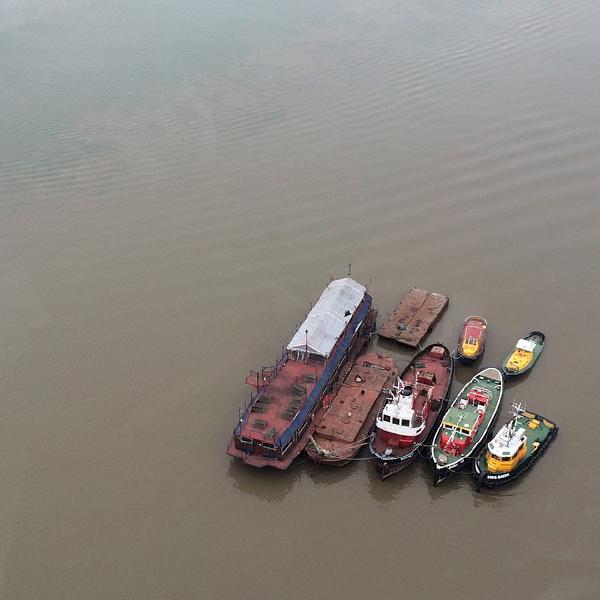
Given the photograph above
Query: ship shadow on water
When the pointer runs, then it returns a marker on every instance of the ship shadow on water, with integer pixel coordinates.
(464, 373)
(274, 485)
(401, 354)
(267, 484)
(323, 475)
(464, 483)
(385, 491)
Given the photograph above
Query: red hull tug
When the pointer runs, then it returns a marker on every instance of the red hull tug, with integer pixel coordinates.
(289, 399)
(412, 409)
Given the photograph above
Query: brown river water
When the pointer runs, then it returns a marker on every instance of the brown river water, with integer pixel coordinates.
(177, 181)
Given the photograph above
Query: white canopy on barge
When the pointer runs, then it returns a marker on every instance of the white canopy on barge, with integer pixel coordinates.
(328, 318)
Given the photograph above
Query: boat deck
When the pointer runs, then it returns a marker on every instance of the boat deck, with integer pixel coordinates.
(355, 399)
(412, 319)
(280, 402)
(469, 414)
(441, 368)
(537, 429)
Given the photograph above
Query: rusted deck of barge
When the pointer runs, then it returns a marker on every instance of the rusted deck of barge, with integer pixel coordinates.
(412, 319)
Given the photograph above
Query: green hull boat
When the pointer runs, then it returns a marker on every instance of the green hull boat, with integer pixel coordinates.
(514, 449)
(466, 424)
(524, 355)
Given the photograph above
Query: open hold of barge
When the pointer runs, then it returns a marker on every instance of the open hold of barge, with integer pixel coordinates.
(414, 317)
(288, 400)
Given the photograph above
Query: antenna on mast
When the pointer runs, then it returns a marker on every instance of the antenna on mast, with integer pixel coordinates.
(305, 344)
(349, 269)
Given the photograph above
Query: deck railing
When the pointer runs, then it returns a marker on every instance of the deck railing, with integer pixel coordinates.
(333, 362)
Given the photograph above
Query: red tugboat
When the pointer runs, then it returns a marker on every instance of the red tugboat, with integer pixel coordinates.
(289, 398)
(412, 409)
(345, 427)
(471, 343)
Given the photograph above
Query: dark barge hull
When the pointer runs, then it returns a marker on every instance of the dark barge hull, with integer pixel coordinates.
(494, 481)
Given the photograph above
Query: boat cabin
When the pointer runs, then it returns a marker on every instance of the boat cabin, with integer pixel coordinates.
(522, 355)
(399, 414)
(403, 417)
(471, 342)
(506, 449)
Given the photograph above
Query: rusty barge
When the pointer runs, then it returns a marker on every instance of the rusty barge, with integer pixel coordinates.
(412, 319)
(348, 420)
(290, 397)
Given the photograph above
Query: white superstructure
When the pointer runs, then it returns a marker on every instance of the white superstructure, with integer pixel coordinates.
(507, 441)
(323, 325)
(398, 415)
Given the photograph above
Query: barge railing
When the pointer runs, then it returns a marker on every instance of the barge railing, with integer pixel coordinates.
(301, 419)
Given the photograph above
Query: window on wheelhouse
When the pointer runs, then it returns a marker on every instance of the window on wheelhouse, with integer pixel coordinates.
(395, 421)
(386, 418)
(405, 423)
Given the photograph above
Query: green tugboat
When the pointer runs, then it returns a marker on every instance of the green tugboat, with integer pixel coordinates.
(466, 424)
(514, 448)
(524, 355)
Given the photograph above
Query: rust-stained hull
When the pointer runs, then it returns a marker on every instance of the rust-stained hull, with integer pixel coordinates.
(345, 426)
(412, 319)
(259, 448)
(394, 459)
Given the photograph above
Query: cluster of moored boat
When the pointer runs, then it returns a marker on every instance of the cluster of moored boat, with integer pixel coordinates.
(324, 396)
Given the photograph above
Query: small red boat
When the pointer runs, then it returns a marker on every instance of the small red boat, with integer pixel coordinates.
(346, 424)
(412, 409)
(471, 343)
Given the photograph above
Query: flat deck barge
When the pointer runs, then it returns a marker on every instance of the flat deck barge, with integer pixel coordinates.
(412, 319)
(346, 424)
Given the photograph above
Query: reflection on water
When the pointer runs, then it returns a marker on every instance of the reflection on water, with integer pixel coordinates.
(267, 484)
(322, 475)
(393, 488)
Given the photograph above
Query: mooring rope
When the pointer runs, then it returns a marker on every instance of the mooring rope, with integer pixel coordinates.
(333, 453)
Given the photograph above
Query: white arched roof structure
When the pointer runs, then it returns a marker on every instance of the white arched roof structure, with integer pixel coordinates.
(328, 317)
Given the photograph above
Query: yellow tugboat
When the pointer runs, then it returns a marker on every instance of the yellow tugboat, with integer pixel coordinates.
(514, 448)
(524, 355)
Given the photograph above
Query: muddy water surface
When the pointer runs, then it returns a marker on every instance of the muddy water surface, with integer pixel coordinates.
(177, 181)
